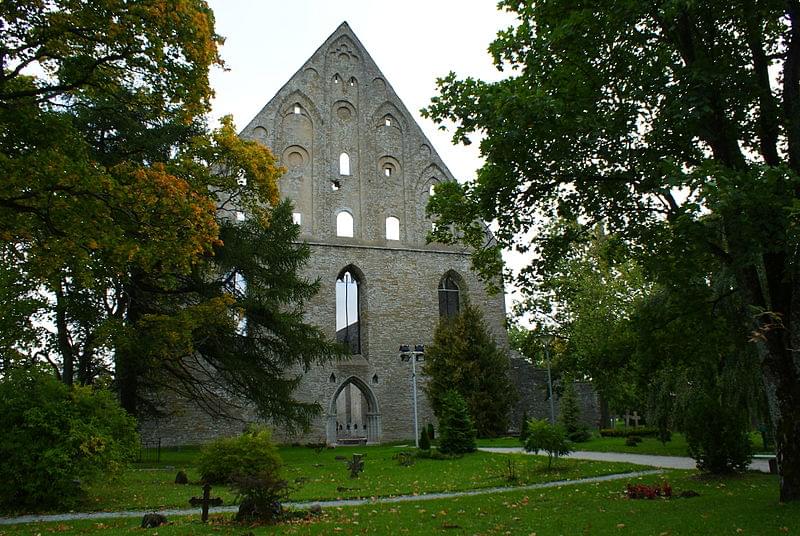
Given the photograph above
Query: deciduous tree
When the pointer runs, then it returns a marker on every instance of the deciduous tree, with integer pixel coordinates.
(677, 123)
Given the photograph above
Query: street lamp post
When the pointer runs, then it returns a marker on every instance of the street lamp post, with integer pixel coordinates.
(406, 354)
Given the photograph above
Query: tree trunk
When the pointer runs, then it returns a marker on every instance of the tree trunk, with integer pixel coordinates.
(62, 332)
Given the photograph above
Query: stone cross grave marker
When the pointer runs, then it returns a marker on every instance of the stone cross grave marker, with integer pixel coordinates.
(356, 466)
(632, 417)
(205, 501)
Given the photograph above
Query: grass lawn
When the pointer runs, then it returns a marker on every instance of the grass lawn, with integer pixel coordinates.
(737, 505)
(321, 476)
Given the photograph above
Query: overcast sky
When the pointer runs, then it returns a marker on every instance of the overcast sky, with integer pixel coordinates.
(413, 42)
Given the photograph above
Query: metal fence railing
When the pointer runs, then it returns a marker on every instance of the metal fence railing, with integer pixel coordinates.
(150, 451)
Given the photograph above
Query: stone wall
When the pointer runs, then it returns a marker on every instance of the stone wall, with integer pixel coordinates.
(531, 384)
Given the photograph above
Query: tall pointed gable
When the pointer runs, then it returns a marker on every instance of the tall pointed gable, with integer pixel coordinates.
(349, 144)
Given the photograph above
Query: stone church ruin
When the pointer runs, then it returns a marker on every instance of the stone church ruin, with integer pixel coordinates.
(360, 173)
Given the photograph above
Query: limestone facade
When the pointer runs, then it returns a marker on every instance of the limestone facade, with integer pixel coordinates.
(355, 154)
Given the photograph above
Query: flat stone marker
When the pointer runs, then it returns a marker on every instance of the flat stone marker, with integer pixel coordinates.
(205, 501)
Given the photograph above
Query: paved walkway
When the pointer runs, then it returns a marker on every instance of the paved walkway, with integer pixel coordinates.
(665, 462)
(325, 504)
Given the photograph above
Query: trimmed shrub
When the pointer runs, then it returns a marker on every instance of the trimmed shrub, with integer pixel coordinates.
(547, 437)
(633, 440)
(56, 439)
(424, 440)
(456, 431)
(227, 459)
(260, 496)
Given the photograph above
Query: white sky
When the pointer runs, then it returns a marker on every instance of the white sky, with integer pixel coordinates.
(413, 42)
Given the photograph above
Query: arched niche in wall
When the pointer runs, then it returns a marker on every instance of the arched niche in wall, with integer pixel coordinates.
(389, 125)
(298, 118)
(388, 167)
(297, 181)
(344, 112)
(428, 179)
(260, 134)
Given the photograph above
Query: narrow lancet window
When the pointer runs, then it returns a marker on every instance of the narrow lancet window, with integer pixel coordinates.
(344, 164)
(448, 297)
(348, 328)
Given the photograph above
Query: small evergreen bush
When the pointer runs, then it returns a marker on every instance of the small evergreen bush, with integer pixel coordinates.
(227, 459)
(456, 431)
(570, 415)
(547, 437)
(56, 439)
(431, 432)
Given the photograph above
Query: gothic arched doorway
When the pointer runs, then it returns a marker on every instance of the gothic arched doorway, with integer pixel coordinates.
(353, 414)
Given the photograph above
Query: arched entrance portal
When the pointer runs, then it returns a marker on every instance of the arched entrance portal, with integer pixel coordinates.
(353, 414)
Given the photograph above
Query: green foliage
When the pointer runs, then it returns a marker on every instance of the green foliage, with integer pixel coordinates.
(57, 439)
(456, 431)
(631, 103)
(632, 440)
(551, 438)
(466, 358)
(251, 454)
(716, 424)
(570, 415)
(424, 439)
(260, 495)
(431, 431)
(523, 428)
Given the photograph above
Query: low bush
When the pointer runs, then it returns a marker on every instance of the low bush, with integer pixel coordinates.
(227, 459)
(56, 439)
(551, 438)
(633, 440)
(261, 496)
(431, 431)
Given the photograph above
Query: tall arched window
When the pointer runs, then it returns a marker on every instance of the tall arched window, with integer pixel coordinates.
(344, 164)
(448, 296)
(344, 224)
(348, 327)
(392, 228)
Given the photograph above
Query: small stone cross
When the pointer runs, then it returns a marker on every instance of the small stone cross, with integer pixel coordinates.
(356, 466)
(632, 418)
(206, 501)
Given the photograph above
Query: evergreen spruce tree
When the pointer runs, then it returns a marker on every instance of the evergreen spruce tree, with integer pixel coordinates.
(456, 431)
(431, 432)
(465, 357)
(570, 415)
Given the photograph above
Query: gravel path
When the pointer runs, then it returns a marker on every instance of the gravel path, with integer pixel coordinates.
(665, 462)
(325, 504)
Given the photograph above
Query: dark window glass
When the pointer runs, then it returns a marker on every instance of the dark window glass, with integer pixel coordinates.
(448, 297)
